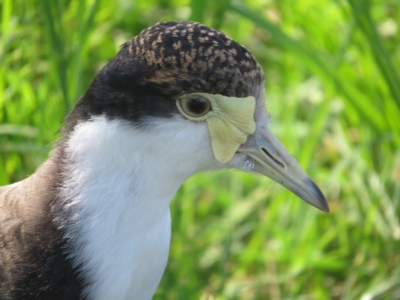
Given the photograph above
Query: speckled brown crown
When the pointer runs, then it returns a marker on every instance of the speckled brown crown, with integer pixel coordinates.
(188, 57)
(163, 62)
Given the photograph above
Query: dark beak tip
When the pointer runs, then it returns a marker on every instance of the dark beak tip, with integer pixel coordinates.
(325, 208)
(322, 203)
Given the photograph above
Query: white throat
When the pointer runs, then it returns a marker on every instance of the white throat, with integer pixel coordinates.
(119, 183)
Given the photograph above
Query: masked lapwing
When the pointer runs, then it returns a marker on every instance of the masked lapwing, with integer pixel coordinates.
(93, 221)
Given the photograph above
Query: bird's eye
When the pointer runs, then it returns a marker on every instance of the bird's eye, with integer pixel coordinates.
(195, 106)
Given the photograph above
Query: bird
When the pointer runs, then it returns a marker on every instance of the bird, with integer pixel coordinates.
(93, 221)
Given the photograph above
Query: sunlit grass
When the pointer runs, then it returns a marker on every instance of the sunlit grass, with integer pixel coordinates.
(332, 78)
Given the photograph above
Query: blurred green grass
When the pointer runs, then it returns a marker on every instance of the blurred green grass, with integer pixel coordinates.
(332, 78)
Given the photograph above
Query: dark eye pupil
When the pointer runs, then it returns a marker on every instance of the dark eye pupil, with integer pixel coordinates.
(194, 106)
(197, 105)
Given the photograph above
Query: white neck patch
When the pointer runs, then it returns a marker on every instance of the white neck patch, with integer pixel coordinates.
(119, 183)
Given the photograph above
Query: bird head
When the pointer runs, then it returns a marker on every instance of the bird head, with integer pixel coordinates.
(198, 98)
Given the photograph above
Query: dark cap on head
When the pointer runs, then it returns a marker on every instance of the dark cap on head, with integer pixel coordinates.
(167, 60)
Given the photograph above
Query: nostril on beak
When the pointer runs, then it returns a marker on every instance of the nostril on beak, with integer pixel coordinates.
(273, 158)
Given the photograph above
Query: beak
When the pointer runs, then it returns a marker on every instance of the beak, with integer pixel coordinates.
(272, 159)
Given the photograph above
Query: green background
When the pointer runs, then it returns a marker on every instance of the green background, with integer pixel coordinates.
(332, 79)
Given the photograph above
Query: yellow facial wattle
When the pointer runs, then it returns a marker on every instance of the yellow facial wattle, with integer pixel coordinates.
(230, 121)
